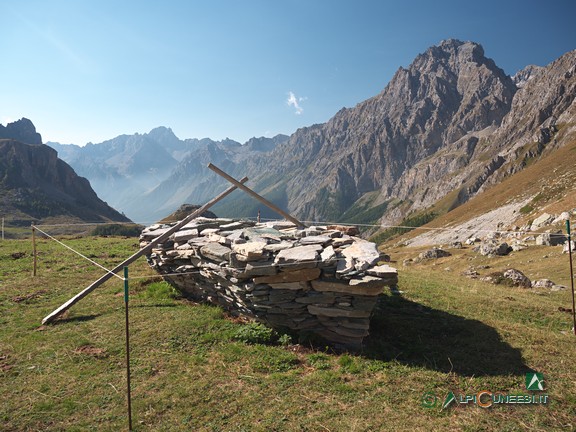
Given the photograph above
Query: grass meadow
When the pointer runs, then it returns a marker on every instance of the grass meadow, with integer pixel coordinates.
(190, 372)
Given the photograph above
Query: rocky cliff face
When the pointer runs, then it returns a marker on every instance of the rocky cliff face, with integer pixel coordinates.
(22, 130)
(543, 112)
(35, 184)
(431, 108)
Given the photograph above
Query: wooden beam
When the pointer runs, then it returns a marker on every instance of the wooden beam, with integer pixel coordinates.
(49, 318)
(255, 195)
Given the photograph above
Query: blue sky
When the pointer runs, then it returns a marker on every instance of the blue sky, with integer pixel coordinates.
(89, 70)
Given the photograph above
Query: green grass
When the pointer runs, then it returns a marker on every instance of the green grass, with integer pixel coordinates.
(189, 371)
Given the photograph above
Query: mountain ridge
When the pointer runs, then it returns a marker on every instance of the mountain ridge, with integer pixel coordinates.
(443, 130)
(124, 185)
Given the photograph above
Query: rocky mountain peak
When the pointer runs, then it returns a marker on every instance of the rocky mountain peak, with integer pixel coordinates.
(524, 75)
(451, 55)
(163, 135)
(22, 130)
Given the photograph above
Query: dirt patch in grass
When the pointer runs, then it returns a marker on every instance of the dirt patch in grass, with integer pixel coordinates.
(28, 297)
(5, 366)
(92, 351)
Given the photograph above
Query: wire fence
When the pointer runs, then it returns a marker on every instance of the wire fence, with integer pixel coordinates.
(43, 228)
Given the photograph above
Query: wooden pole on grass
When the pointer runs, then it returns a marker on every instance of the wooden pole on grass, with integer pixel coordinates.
(35, 255)
(128, 386)
(571, 277)
(49, 318)
(255, 195)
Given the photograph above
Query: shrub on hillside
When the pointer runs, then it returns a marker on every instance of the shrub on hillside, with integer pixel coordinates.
(117, 230)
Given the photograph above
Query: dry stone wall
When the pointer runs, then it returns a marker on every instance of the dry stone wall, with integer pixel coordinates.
(323, 281)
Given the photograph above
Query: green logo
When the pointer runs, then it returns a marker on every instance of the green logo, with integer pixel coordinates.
(534, 381)
(450, 397)
(429, 400)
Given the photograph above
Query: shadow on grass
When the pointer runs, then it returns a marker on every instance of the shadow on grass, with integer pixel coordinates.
(413, 334)
(154, 306)
(80, 318)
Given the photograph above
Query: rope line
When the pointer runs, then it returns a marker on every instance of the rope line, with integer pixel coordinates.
(88, 224)
(445, 229)
(78, 253)
(317, 222)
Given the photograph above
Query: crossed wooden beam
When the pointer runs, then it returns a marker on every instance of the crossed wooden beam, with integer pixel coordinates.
(148, 248)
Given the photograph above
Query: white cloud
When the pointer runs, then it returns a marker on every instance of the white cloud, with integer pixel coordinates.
(295, 102)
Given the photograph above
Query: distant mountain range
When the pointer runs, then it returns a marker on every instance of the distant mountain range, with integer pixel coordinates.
(148, 176)
(442, 131)
(35, 185)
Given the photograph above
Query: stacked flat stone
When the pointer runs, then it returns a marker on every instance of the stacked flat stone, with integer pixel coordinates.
(321, 281)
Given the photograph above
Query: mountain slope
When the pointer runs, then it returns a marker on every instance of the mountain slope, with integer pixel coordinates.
(443, 130)
(36, 185)
(447, 92)
(121, 168)
(192, 182)
(547, 185)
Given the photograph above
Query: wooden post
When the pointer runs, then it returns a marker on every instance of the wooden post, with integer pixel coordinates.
(255, 195)
(128, 385)
(35, 255)
(571, 277)
(49, 318)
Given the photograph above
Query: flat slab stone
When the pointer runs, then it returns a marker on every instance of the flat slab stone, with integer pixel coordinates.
(276, 247)
(185, 235)
(316, 239)
(289, 286)
(367, 282)
(198, 241)
(316, 298)
(335, 312)
(251, 250)
(382, 271)
(300, 275)
(328, 256)
(255, 268)
(346, 229)
(278, 225)
(345, 265)
(299, 257)
(216, 252)
(208, 231)
(152, 234)
(354, 287)
(342, 241)
(237, 225)
(364, 254)
(186, 253)
(264, 232)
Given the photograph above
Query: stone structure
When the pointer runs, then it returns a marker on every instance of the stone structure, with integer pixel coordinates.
(318, 281)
